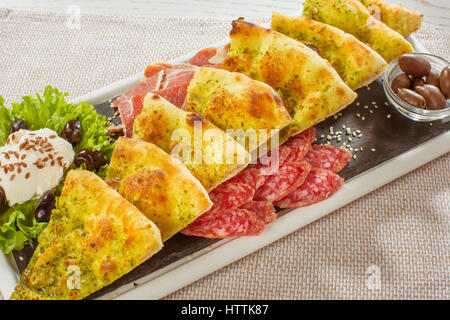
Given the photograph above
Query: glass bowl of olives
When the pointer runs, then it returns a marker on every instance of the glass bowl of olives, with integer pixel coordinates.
(418, 86)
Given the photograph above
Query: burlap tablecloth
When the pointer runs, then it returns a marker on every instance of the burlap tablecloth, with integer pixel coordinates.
(392, 243)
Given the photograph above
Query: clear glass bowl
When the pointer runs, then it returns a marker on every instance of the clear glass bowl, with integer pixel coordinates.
(413, 113)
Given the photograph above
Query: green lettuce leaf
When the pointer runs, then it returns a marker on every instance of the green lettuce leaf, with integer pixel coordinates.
(51, 110)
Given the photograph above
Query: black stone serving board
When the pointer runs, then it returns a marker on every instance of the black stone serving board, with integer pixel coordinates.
(384, 129)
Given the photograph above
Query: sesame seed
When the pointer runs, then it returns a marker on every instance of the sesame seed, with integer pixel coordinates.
(373, 150)
(358, 104)
(388, 116)
(373, 102)
(350, 139)
(386, 103)
(431, 124)
(358, 115)
(363, 118)
(366, 107)
(354, 156)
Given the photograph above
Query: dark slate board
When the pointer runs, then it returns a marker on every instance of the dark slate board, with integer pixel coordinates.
(389, 136)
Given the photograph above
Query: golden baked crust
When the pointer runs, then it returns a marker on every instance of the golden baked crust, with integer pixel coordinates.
(157, 184)
(397, 17)
(309, 86)
(233, 101)
(93, 233)
(174, 130)
(352, 17)
(356, 63)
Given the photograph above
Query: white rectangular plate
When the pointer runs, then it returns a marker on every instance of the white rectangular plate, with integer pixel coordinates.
(191, 268)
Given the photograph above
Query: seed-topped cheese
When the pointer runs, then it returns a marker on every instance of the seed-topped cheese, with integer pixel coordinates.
(32, 162)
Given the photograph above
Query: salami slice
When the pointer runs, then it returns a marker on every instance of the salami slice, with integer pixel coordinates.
(263, 209)
(328, 157)
(227, 223)
(273, 160)
(300, 144)
(289, 177)
(229, 195)
(319, 185)
(252, 177)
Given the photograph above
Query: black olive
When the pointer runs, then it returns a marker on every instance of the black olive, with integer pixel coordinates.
(45, 206)
(99, 159)
(72, 131)
(2, 197)
(16, 125)
(92, 159)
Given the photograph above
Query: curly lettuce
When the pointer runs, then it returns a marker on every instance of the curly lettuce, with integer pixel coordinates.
(51, 110)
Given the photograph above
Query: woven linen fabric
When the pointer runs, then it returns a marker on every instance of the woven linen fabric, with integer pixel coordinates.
(390, 244)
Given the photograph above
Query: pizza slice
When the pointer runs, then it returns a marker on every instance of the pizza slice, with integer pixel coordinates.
(309, 86)
(397, 17)
(94, 237)
(250, 111)
(356, 63)
(352, 17)
(207, 151)
(157, 184)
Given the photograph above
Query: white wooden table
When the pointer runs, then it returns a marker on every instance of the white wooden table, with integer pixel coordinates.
(436, 12)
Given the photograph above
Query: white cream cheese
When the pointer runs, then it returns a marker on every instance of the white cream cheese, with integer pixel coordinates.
(32, 162)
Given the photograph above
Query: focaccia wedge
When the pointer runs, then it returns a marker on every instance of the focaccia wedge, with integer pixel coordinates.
(352, 17)
(248, 110)
(309, 86)
(94, 237)
(157, 184)
(356, 63)
(397, 17)
(207, 151)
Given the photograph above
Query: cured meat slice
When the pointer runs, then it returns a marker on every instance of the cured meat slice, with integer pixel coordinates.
(210, 57)
(174, 79)
(169, 81)
(228, 223)
(202, 57)
(300, 144)
(229, 195)
(273, 161)
(319, 185)
(125, 102)
(289, 177)
(263, 209)
(249, 176)
(328, 157)
(175, 95)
